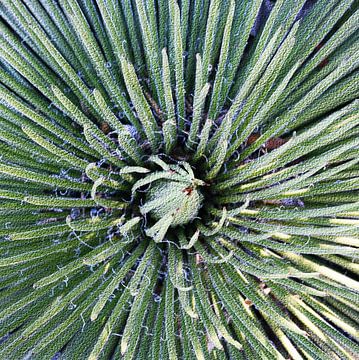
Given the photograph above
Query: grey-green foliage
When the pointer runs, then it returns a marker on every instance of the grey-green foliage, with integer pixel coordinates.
(179, 179)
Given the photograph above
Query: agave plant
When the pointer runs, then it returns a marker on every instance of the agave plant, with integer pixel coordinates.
(179, 179)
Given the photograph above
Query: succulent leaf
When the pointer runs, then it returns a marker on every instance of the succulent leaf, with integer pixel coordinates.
(179, 179)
